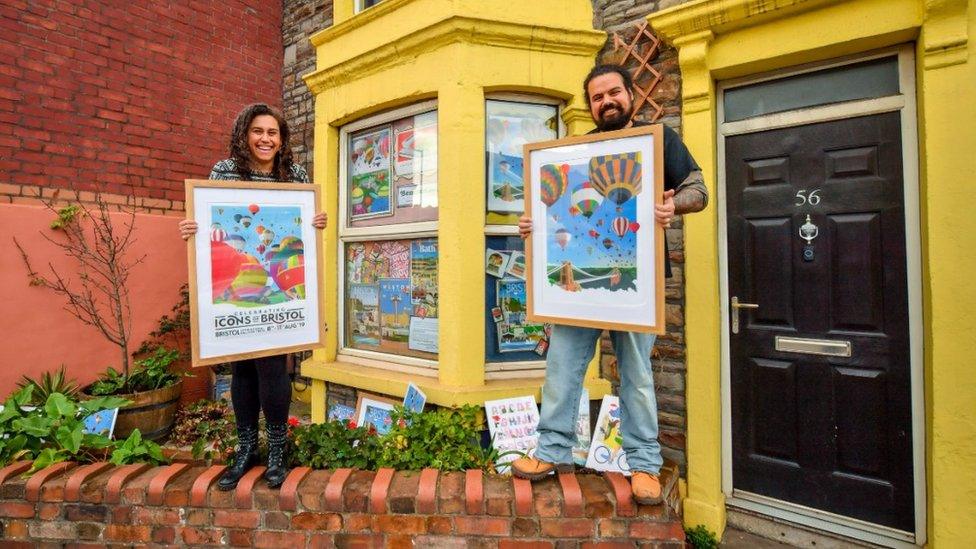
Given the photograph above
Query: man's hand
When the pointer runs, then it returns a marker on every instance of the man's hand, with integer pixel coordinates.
(525, 226)
(188, 228)
(320, 221)
(664, 213)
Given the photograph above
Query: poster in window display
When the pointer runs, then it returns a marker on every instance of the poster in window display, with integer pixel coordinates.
(423, 277)
(394, 311)
(391, 297)
(402, 186)
(514, 332)
(254, 283)
(596, 257)
(369, 173)
(364, 314)
(509, 126)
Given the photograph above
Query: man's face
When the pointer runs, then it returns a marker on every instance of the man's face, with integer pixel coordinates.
(611, 103)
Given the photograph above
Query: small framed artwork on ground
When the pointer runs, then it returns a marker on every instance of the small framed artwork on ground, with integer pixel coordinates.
(596, 256)
(375, 411)
(254, 279)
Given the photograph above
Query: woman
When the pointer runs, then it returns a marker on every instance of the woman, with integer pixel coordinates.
(259, 151)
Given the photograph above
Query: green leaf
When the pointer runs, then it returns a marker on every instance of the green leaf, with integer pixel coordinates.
(103, 403)
(37, 426)
(59, 406)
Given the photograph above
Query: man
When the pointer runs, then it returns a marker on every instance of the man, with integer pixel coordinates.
(608, 90)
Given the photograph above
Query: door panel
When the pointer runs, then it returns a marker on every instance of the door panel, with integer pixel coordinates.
(828, 432)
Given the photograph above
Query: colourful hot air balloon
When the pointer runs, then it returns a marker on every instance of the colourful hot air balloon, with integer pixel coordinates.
(607, 243)
(289, 273)
(254, 209)
(563, 237)
(574, 211)
(246, 221)
(261, 248)
(217, 234)
(621, 225)
(249, 282)
(587, 198)
(225, 264)
(553, 185)
(267, 236)
(634, 226)
(235, 241)
(617, 176)
(291, 243)
(259, 229)
(593, 233)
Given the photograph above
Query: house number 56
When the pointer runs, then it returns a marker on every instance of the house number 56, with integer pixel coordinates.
(804, 197)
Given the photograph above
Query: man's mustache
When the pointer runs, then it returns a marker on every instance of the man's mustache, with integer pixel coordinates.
(609, 106)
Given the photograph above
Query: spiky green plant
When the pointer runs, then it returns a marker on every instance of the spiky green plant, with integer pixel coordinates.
(50, 383)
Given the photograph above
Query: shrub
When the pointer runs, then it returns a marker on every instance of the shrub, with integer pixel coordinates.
(700, 537)
(207, 425)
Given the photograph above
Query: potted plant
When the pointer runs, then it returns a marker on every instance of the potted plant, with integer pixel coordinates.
(97, 294)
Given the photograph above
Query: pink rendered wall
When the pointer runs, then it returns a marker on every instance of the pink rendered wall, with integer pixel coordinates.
(39, 335)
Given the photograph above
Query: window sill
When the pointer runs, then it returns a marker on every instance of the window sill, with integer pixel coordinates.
(395, 383)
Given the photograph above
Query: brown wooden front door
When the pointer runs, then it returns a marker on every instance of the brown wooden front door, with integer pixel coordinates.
(828, 432)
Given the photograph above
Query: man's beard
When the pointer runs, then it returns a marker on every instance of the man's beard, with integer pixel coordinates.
(616, 122)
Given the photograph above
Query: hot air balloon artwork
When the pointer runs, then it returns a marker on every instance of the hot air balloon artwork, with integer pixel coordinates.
(617, 176)
(370, 174)
(594, 258)
(250, 281)
(510, 125)
(217, 233)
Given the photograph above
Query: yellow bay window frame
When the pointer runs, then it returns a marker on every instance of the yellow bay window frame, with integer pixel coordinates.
(457, 52)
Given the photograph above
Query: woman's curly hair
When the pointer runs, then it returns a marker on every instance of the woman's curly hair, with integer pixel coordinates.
(241, 153)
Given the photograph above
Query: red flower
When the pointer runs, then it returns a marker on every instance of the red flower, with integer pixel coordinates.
(293, 421)
(352, 424)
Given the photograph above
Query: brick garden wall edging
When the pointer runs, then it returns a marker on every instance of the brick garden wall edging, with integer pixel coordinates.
(98, 504)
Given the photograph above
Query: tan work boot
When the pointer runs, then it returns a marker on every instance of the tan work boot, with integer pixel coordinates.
(535, 469)
(646, 488)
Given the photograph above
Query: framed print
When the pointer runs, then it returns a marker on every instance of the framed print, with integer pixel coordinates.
(596, 256)
(375, 411)
(254, 277)
(369, 174)
(414, 399)
(512, 424)
(508, 126)
(514, 332)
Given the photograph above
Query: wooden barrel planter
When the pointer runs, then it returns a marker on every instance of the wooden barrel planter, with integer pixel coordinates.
(152, 412)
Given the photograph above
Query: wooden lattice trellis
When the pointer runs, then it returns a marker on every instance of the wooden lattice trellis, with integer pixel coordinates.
(642, 49)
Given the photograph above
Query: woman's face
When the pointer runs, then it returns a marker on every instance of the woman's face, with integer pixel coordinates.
(264, 141)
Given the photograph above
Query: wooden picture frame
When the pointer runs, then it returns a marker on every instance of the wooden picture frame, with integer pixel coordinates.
(255, 290)
(591, 199)
(368, 405)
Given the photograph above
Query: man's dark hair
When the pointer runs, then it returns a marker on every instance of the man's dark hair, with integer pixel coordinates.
(600, 70)
(240, 151)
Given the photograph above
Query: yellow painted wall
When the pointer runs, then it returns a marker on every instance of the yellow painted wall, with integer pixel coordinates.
(455, 51)
(723, 40)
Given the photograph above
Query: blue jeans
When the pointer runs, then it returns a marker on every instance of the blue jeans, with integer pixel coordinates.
(570, 350)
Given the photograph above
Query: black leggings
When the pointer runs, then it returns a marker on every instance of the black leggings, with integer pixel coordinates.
(260, 384)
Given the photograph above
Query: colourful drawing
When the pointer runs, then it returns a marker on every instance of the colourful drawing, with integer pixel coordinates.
(370, 194)
(363, 314)
(514, 333)
(606, 453)
(262, 261)
(395, 309)
(509, 126)
(592, 226)
(370, 152)
(375, 413)
(423, 275)
(397, 252)
(341, 412)
(512, 424)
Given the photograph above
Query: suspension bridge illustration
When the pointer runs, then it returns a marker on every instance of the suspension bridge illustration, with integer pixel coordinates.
(568, 282)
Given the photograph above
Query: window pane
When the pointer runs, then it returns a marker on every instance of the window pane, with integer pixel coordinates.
(508, 126)
(392, 172)
(391, 297)
(508, 337)
(875, 78)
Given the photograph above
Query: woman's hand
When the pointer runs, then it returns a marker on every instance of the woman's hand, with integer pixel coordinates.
(525, 226)
(188, 228)
(320, 221)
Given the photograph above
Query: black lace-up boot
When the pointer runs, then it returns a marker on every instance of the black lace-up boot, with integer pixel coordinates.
(245, 457)
(277, 471)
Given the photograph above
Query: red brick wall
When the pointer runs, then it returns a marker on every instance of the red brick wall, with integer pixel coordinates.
(95, 505)
(134, 95)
